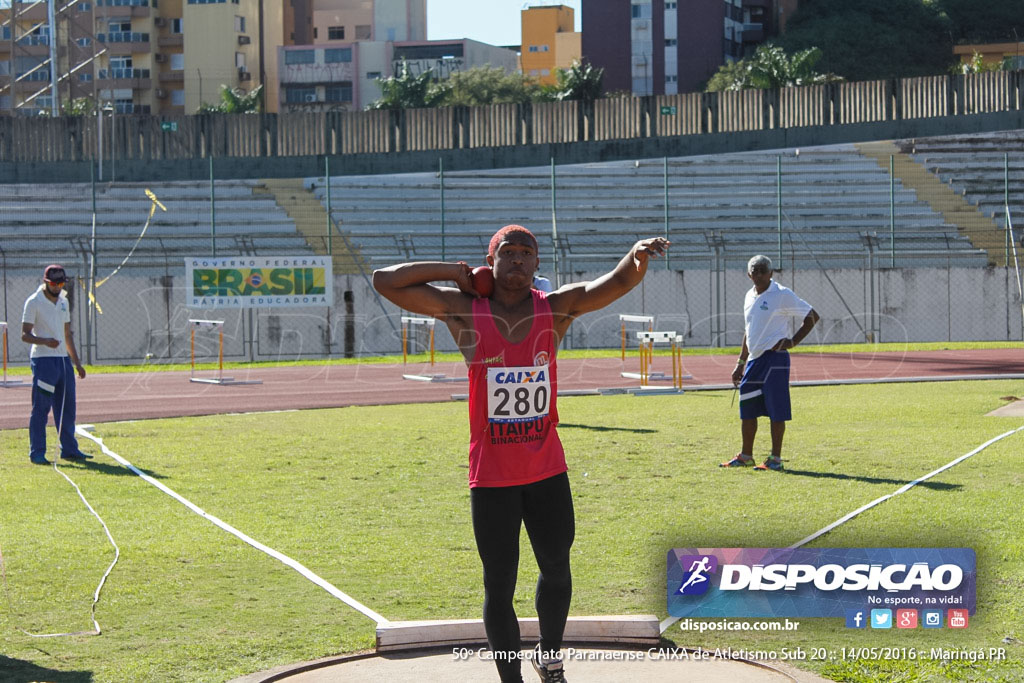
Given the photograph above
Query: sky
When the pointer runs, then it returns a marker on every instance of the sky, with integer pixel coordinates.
(496, 22)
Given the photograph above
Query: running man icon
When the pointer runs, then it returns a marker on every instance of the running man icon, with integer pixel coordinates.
(697, 570)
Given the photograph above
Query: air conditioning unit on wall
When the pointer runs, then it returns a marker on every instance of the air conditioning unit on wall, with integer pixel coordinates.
(311, 98)
(160, 22)
(161, 93)
(160, 58)
(244, 40)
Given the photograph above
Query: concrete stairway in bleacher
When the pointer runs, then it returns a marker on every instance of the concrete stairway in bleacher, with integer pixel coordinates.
(310, 217)
(982, 231)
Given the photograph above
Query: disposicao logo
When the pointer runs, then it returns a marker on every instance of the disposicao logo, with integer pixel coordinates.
(822, 582)
(696, 580)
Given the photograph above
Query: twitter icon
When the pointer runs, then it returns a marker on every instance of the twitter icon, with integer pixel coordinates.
(881, 618)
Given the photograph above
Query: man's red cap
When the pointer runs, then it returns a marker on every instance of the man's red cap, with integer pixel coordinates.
(55, 273)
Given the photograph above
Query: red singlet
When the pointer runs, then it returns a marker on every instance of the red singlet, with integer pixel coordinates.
(512, 402)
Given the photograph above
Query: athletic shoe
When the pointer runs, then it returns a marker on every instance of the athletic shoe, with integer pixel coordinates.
(41, 460)
(76, 457)
(770, 463)
(551, 672)
(738, 461)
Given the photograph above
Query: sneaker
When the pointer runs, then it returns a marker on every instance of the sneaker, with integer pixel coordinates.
(739, 461)
(772, 462)
(39, 460)
(76, 457)
(549, 672)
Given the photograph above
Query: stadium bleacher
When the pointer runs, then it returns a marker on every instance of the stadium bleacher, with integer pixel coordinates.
(833, 200)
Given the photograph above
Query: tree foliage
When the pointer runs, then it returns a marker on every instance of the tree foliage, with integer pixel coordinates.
(80, 106)
(406, 91)
(235, 102)
(770, 67)
(581, 81)
(983, 21)
(871, 39)
(486, 85)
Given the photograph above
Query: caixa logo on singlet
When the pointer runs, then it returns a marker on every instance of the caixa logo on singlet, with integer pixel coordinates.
(816, 582)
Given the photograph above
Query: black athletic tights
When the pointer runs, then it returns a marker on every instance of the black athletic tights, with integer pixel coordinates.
(545, 507)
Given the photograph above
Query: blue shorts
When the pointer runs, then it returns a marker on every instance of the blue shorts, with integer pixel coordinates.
(764, 389)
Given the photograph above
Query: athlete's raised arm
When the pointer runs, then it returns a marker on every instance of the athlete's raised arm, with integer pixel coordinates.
(578, 298)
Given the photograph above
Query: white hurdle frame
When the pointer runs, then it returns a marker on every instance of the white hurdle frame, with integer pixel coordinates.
(646, 342)
(6, 382)
(407, 321)
(195, 324)
(410, 320)
(623, 319)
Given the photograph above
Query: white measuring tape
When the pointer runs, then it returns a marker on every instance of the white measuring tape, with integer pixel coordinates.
(323, 583)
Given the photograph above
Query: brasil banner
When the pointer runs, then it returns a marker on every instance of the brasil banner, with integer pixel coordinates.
(258, 282)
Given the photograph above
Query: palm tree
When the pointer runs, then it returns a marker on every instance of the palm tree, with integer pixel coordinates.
(235, 102)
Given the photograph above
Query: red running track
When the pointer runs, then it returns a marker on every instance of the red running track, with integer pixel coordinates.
(142, 395)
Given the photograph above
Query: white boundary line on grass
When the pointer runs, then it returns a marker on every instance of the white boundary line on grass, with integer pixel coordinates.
(81, 430)
(846, 518)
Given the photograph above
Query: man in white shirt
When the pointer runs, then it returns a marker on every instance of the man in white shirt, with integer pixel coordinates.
(46, 325)
(762, 370)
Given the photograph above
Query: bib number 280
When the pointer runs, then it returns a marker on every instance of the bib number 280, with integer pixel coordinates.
(516, 394)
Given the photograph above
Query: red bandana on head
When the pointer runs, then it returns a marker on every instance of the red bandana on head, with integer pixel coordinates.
(504, 232)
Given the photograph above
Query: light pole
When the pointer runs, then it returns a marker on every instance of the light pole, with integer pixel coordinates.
(109, 108)
(100, 111)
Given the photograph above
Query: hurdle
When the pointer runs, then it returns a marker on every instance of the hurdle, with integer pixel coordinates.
(220, 378)
(646, 342)
(643, 319)
(409, 321)
(8, 382)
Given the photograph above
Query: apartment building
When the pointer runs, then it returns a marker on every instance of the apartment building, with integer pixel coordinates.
(145, 56)
(342, 76)
(26, 43)
(664, 47)
(355, 42)
(550, 41)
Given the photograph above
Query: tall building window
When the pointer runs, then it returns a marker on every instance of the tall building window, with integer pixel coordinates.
(299, 95)
(335, 55)
(178, 98)
(176, 26)
(363, 32)
(177, 61)
(670, 42)
(299, 57)
(341, 92)
(239, 24)
(335, 33)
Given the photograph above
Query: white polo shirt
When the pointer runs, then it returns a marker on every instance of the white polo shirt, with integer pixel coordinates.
(47, 319)
(768, 316)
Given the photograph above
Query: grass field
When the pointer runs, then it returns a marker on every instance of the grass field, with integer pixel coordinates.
(374, 499)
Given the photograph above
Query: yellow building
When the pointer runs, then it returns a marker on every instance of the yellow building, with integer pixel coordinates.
(993, 53)
(549, 41)
(142, 57)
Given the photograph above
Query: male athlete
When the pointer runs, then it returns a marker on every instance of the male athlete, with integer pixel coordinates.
(517, 470)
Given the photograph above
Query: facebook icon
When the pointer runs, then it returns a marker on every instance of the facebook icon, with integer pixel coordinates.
(855, 618)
